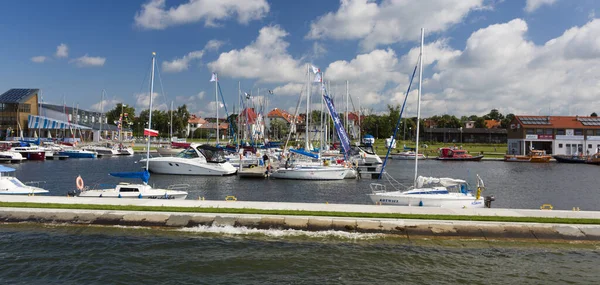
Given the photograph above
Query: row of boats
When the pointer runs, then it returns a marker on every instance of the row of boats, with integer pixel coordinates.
(17, 151)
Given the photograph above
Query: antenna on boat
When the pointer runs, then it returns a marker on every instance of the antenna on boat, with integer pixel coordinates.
(150, 111)
(419, 105)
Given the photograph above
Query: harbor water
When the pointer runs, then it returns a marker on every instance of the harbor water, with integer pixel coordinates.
(515, 185)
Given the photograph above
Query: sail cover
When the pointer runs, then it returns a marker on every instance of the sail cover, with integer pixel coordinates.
(144, 175)
(338, 124)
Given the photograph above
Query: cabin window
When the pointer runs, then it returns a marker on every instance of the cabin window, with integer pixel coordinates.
(560, 145)
(560, 132)
(578, 132)
(539, 131)
(530, 131)
(549, 131)
(126, 189)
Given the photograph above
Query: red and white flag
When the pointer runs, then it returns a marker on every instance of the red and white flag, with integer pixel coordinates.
(318, 78)
(214, 77)
(150, 132)
(315, 69)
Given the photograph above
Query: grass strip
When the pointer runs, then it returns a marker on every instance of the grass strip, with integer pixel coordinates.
(302, 213)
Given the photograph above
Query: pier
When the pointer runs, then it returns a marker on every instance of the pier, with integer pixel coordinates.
(411, 222)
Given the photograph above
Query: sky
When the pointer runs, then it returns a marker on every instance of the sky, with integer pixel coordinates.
(527, 57)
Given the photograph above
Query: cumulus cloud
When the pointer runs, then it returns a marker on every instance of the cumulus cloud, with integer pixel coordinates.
(213, 45)
(289, 89)
(142, 100)
(39, 59)
(181, 64)
(107, 104)
(62, 50)
(265, 59)
(155, 15)
(89, 61)
(390, 21)
(532, 5)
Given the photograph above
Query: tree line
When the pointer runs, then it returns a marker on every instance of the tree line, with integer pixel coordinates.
(161, 120)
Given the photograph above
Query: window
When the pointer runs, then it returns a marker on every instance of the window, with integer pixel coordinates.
(597, 132)
(589, 145)
(123, 189)
(25, 108)
(560, 132)
(589, 132)
(539, 131)
(530, 131)
(549, 131)
(578, 132)
(560, 145)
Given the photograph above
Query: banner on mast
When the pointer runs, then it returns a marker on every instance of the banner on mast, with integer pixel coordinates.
(338, 124)
(150, 132)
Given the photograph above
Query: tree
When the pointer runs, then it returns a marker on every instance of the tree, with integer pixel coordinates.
(494, 115)
(506, 121)
(594, 115)
(112, 116)
(278, 129)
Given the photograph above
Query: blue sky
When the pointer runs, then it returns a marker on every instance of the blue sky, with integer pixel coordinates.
(524, 57)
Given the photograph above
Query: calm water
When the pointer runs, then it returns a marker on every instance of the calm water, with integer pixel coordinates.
(33, 254)
(515, 185)
(43, 254)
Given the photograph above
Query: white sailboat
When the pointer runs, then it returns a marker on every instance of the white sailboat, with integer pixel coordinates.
(429, 191)
(139, 191)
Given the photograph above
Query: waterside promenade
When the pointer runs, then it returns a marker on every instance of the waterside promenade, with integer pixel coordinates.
(487, 224)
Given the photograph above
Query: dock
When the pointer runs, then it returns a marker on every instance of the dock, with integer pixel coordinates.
(427, 222)
(253, 172)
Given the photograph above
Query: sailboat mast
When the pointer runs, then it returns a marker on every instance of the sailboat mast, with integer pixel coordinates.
(419, 104)
(150, 111)
(307, 147)
(347, 95)
(239, 131)
(217, 105)
(101, 113)
(171, 124)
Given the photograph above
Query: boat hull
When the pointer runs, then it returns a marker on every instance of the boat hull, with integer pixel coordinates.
(570, 159)
(427, 200)
(183, 166)
(525, 158)
(37, 155)
(78, 154)
(474, 158)
(111, 193)
(311, 174)
(406, 157)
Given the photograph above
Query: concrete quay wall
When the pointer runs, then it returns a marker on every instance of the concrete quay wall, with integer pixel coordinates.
(400, 227)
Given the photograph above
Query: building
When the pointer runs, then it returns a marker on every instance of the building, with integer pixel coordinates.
(15, 107)
(84, 124)
(568, 135)
(194, 123)
(465, 135)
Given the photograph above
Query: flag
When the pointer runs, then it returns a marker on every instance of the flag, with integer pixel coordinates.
(151, 132)
(315, 69)
(221, 105)
(248, 96)
(318, 78)
(214, 77)
(271, 92)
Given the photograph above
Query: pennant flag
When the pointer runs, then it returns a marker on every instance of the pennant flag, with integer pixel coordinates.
(214, 77)
(315, 69)
(150, 132)
(248, 96)
(271, 92)
(318, 78)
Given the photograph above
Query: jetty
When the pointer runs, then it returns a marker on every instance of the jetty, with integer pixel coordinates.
(409, 222)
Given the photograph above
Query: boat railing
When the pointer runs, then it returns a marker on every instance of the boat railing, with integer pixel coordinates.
(178, 187)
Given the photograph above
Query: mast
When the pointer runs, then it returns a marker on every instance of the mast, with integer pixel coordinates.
(150, 111)
(239, 131)
(419, 104)
(359, 125)
(171, 124)
(322, 118)
(101, 113)
(306, 147)
(217, 105)
(347, 95)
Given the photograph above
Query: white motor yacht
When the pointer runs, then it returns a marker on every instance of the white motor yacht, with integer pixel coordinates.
(131, 190)
(10, 185)
(195, 160)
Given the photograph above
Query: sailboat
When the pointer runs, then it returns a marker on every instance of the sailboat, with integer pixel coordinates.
(140, 191)
(430, 191)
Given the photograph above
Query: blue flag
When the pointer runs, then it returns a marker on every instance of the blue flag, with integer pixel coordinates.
(338, 125)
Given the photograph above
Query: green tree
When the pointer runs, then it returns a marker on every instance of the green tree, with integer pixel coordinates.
(594, 115)
(506, 121)
(112, 116)
(278, 129)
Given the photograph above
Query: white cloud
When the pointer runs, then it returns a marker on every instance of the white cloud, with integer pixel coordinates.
(533, 5)
(181, 64)
(155, 15)
(318, 50)
(391, 21)
(142, 101)
(107, 104)
(289, 89)
(193, 103)
(62, 50)
(265, 59)
(39, 59)
(213, 45)
(89, 61)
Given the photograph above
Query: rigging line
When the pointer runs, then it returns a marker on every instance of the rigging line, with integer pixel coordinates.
(400, 119)
(295, 118)
(161, 85)
(231, 131)
(144, 80)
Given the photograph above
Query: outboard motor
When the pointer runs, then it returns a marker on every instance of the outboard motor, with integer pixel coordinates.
(488, 201)
(72, 194)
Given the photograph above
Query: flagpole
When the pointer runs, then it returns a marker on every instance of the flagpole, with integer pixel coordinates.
(217, 103)
(149, 112)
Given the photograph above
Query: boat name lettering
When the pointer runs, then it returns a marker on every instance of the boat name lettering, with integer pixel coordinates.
(168, 197)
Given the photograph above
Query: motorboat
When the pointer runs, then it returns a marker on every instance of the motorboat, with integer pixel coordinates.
(11, 156)
(433, 192)
(124, 150)
(102, 149)
(31, 152)
(454, 154)
(131, 190)
(535, 155)
(10, 185)
(407, 155)
(571, 158)
(195, 160)
(78, 153)
(311, 173)
(593, 159)
(367, 155)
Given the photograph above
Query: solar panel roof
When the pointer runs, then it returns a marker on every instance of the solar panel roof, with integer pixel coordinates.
(534, 121)
(17, 95)
(589, 121)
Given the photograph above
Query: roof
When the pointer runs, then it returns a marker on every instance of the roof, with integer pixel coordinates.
(490, 124)
(222, 126)
(249, 114)
(196, 120)
(278, 113)
(465, 131)
(17, 95)
(559, 122)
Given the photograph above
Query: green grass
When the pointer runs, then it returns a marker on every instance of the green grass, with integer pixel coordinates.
(301, 213)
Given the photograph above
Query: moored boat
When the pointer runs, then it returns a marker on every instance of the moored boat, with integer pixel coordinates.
(10, 185)
(195, 160)
(78, 153)
(570, 158)
(538, 156)
(452, 154)
(407, 155)
(593, 159)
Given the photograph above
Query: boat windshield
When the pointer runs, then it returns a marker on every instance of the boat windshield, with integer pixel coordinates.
(17, 182)
(188, 153)
(212, 154)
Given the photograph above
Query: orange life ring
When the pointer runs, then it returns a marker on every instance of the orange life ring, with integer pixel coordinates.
(79, 182)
